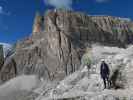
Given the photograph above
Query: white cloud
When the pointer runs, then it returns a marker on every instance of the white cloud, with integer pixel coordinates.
(4, 12)
(60, 3)
(1, 9)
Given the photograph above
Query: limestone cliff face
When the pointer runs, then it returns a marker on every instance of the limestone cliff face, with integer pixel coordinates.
(107, 30)
(54, 50)
(120, 28)
(1, 56)
(8, 70)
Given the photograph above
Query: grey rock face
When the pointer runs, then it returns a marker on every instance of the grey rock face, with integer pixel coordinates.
(1, 56)
(93, 29)
(120, 28)
(55, 50)
(53, 56)
(8, 70)
(118, 78)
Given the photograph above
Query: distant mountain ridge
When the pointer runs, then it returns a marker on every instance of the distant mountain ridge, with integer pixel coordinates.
(6, 47)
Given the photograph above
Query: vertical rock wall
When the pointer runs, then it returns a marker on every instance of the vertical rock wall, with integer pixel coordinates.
(59, 40)
(1, 56)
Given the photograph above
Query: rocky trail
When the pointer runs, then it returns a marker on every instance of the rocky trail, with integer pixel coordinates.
(84, 89)
(88, 85)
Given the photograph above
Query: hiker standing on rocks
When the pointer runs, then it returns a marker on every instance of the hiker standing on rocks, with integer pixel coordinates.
(104, 71)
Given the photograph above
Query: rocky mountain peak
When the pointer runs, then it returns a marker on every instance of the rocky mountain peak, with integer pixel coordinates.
(101, 29)
(59, 40)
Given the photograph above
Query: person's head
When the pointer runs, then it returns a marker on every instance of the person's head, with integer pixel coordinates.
(103, 61)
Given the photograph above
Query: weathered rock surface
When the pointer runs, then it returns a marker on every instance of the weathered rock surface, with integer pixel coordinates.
(1, 56)
(19, 88)
(87, 84)
(59, 40)
(7, 63)
(102, 29)
(8, 69)
(120, 28)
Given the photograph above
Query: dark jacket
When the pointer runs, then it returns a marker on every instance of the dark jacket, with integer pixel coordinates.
(104, 70)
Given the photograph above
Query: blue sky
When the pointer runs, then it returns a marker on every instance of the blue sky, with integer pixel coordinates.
(16, 16)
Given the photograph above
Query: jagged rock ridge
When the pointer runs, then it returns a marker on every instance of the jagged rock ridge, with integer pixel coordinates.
(59, 40)
(102, 29)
